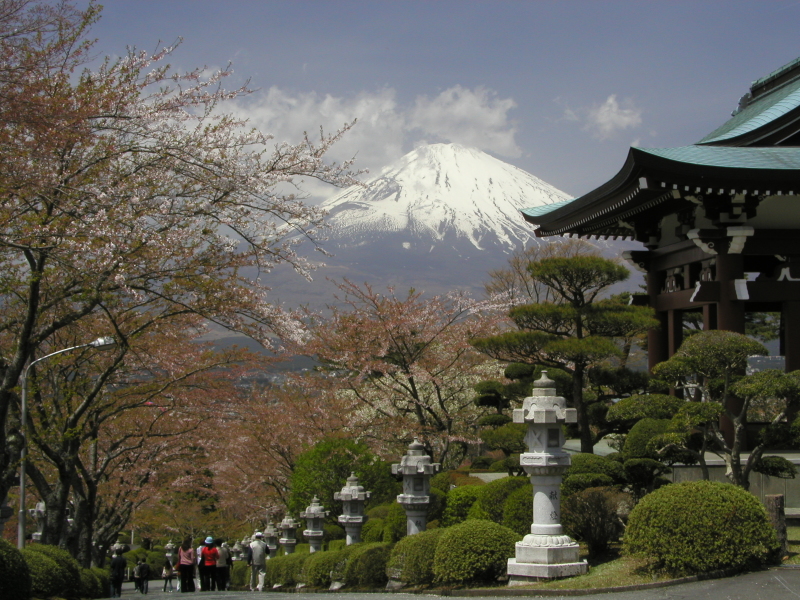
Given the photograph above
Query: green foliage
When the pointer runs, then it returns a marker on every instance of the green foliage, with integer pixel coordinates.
(70, 570)
(583, 481)
(337, 572)
(324, 469)
(518, 511)
(438, 500)
(411, 560)
(628, 411)
(47, 578)
(776, 466)
(395, 524)
(699, 526)
(476, 511)
(490, 394)
(15, 577)
(645, 475)
(459, 501)
(104, 579)
(240, 575)
(372, 530)
(333, 531)
(286, 570)
(510, 438)
(440, 481)
(337, 544)
(619, 382)
(367, 565)
(637, 444)
(90, 585)
(493, 420)
(483, 462)
(495, 493)
(318, 568)
(583, 463)
(593, 516)
(474, 551)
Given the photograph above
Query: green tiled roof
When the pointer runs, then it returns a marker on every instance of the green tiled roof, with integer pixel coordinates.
(779, 158)
(761, 112)
(537, 211)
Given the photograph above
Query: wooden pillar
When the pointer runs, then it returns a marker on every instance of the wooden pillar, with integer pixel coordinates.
(657, 337)
(674, 331)
(790, 330)
(730, 311)
(709, 317)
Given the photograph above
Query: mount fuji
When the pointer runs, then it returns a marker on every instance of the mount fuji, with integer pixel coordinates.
(439, 218)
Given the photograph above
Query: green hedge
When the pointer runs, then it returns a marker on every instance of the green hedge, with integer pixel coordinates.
(366, 566)
(286, 570)
(494, 495)
(240, 575)
(474, 551)
(69, 567)
(700, 526)
(372, 530)
(319, 566)
(592, 463)
(103, 578)
(15, 577)
(518, 511)
(459, 501)
(395, 524)
(47, 578)
(90, 585)
(411, 560)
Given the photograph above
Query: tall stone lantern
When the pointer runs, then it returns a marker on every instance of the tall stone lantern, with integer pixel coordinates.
(352, 498)
(271, 539)
(288, 528)
(416, 468)
(170, 551)
(314, 516)
(546, 552)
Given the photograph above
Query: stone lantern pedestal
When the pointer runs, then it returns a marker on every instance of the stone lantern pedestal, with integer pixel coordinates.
(314, 516)
(289, 529)
(546, 552)
(416, 469)
(352, 498)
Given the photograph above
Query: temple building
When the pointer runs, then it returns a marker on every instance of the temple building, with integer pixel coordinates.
(719, 219)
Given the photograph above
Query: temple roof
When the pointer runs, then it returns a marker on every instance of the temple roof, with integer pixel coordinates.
(754, 152)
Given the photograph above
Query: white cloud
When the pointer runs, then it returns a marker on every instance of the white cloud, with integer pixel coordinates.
(386, 130)
(610, 117)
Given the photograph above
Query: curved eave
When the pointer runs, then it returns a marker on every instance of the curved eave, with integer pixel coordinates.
(650, 177)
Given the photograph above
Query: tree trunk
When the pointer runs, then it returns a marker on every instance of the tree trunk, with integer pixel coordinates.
(587, 444)
(777, 516)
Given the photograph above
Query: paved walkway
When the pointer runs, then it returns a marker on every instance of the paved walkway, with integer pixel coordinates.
(774, 584)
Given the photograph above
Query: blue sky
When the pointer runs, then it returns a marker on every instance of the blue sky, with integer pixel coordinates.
(561, 89)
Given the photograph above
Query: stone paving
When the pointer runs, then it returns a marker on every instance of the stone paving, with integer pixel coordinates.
(772, 584)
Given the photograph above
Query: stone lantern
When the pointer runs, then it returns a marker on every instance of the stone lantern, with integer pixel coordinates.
(271, 539)
(236, 551)
(546, 552)
(416, 469)
(314, 516)
(170, 551)
(289, 529)
(352, 498)
(39, 515)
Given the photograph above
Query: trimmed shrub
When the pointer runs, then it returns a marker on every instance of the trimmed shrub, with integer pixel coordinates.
(594, 516)
(286, 570)
(699, 526)
(15, 577)
(583, 463)
(411, 560)
(337, 572)
(459, 501)
(90, 585)
(47, 578)
(240, 575)
(441, 481)
(379, 512)
(103, 578)
(474, 551)
(395, 524)
(69, 567)
(583, 481)
(337, 545)
(484, 462)
(372, 530)
(438, 500)
(636, 442)
(476, 512)
(318, 568)
(495, 493)
(518, 511)
(367, 565)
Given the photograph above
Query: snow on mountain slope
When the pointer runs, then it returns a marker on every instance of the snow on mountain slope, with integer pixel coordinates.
(441, 193)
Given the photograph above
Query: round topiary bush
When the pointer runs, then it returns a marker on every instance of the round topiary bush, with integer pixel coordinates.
(68, 566)
(366, 567)
(103, 579)
(636, 442)
(518, 511)
(372, 530)
(47, 578)
(90, 585)
(459, 501)
(700, 526)
(474, 551)
(592, 463)
(583, 481)
(495, 493)
(411, 560)
(15, 578)
(319, 566)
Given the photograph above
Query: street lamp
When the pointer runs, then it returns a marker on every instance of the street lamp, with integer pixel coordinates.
(101, 342)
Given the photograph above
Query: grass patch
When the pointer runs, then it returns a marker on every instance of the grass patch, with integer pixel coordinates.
(793, 536)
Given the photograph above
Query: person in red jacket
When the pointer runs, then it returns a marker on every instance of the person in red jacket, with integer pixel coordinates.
(208, 566)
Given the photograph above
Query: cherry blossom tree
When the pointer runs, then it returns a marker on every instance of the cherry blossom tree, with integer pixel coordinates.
(404, 367)
(126, 190)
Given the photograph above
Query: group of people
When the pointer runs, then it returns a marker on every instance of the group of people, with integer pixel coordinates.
(212, 560)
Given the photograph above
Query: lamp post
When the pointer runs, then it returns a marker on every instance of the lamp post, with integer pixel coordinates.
(101, 342)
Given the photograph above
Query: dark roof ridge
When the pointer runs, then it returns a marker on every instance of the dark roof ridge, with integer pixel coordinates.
(779, 77)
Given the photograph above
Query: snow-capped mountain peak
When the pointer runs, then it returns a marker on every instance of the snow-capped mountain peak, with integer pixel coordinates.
(441, 193)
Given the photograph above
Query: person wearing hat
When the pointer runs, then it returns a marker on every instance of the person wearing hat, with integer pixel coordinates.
(208, 565)
(258, 562)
